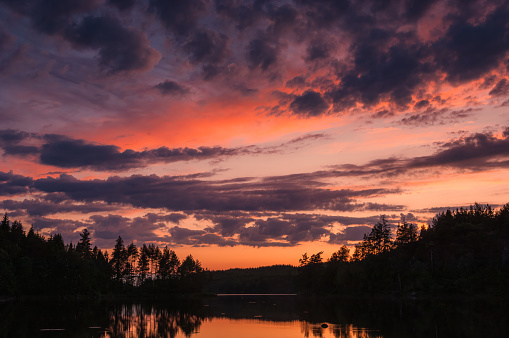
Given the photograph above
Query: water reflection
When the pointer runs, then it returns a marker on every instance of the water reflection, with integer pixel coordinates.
(139, 320)
(254, 316)
(336, 331)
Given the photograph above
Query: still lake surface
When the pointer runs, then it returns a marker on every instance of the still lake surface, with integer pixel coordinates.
(252, 316)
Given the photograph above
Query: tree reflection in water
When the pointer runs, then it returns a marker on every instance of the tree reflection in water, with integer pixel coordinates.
(337, 331)
(250, 317)
(142, 320)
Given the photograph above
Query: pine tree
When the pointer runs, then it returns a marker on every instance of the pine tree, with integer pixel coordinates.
(342, 255)
(119, 259)
(84, 246)
(406, 233)
(143, 263)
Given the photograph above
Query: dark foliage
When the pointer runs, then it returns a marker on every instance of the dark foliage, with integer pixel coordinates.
(463, 252)
(263, 280)
(33, 265)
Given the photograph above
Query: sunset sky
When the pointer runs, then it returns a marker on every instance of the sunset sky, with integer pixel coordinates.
(246, 132)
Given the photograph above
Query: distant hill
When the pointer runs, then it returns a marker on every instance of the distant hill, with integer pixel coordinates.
(267, 279)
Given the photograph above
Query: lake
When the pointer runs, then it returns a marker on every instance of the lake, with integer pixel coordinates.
(248, 316)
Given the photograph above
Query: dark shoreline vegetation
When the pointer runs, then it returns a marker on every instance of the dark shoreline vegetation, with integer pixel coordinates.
(464, 252)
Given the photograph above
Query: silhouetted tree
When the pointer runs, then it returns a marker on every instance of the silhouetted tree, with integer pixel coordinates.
(342, 255)
(84, 246)
(132, 255)
(143, 263)
(119, 260)
(154, 254)
(405, 233)
(5, 224)
(190, 266)
(168, 264)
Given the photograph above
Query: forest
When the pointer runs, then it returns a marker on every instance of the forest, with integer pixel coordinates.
(33, 265)
(462, 252)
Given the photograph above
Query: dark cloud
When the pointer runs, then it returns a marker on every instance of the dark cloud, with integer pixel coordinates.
(178, 16)
(323, 13)
(207, 46)
(171, 88)
(51, 17)
(61, 151)
(468, 50)
(65, 227)
(10, 140)
(281, 232)
(318, 50)
(386, 58)
(474, 152)
(142, 229)
(350, 234)
(421, 104)
(181, 193)
(501, 88)
(198, 237)
(123, 5)
(297, 82)
(415, 9)
(381, 114)
(282, 229)
(381, 75)
(282, 17)
(39, 207)
(310, 103)
(243, 14)
(64, 152)
(120, 49)
(12, 184)
(69, 153)
(262, 53)
(432, 116)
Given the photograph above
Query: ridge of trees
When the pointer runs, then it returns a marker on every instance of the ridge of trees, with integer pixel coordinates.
(30, 264)
(464, 251)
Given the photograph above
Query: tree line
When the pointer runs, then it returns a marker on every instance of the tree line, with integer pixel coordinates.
(463, 251)
(30, 264)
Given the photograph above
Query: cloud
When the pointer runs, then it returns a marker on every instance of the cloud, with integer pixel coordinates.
(433, 116)
(122, 5)
(379, 75)
(243, 14)
(310, 103)
(64, 152)
(10, 140)
(297, 82)
(120, 49)
(262, 53)
(283, 17)
(350, 234)
(468, 50)
(179, 193)
(475, 152)
(179, 16)
(318, 50)
(500, 89)
(12, 184)
(40, 207)
(207, 46)
(171, 88)
(198, 238)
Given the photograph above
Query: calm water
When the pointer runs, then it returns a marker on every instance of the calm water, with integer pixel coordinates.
(255, 316)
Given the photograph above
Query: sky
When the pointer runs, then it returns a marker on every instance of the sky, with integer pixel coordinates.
(247, 132)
